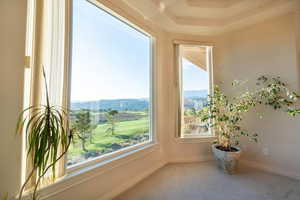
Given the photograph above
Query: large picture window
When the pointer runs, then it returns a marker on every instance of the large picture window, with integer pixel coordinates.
(195, 69)
(110, 87)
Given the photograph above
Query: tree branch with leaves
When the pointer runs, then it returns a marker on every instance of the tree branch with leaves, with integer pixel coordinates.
(225, 114)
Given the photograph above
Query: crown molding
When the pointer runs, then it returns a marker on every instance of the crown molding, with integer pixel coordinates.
(213, 3)
(234, 15)
(222, 22)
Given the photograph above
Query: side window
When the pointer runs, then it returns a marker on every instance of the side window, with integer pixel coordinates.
(196, 85)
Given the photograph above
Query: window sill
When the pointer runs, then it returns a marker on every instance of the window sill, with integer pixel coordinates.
(109, 157)
(195, 139)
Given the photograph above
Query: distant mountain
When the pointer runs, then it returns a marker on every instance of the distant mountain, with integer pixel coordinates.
(193, 96)
(114, 104)
(195, 93)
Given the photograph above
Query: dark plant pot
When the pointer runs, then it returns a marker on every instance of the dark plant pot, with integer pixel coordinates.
(227, 161)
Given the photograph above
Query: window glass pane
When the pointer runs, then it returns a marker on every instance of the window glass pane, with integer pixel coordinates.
(195, 88)
(110, 84)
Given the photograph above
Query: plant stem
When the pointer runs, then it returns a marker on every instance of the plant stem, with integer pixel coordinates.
(51, 165)
(25, 183)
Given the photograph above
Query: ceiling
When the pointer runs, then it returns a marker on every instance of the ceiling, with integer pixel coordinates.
(195, 55)
(209, 16)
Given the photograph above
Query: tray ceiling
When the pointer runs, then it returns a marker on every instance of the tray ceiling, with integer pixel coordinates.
(209, 16)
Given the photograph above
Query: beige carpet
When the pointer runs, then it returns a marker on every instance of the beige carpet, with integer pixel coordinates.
(203, 181)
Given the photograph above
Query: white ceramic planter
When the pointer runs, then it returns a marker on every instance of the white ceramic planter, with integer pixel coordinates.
(227, 161)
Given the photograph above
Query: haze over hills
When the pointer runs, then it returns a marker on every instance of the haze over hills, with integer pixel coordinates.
(195, 93)
(114, 104)
(129, 104)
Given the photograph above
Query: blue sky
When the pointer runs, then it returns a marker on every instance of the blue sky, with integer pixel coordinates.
(110, 60)
(193, 77)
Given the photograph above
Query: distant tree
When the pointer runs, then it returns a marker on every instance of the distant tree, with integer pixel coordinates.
(84, 127)
(190, 112)
(110, 116)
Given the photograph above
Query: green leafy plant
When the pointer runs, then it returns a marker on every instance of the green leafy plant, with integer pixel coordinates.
(226, 114)
(4, 197)
(48, 139)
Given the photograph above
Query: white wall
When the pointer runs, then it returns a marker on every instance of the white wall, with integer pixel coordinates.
(267, 48)
(12, 51)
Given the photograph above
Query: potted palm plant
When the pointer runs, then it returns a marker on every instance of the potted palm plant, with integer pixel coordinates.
(48, 140)
(225, 115)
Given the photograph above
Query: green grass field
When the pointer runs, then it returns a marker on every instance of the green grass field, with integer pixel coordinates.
(126, 131)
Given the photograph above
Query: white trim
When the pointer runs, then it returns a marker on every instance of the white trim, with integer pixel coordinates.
(177, 84)
(111, 12)
(271, 169)
(121, 8)
(195, 139)
(67, 69)
(132, 182)
(27, 89)
(191, 159)
(110, 156)
(193, 42)
(153, 90)
(210, 63)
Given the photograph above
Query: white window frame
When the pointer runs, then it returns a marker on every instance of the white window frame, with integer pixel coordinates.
(209, 62)
(152, 126)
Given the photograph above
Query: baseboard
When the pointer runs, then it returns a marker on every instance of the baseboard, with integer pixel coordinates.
(131, 182)
(273, 170)
(190, 159)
